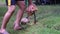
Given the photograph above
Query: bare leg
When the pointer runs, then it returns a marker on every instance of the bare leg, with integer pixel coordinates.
(19, 15)
(7, 17)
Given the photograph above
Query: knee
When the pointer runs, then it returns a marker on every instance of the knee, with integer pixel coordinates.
(11, 9)
(22, 7)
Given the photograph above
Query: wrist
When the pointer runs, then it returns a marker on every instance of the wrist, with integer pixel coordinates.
(30, 3)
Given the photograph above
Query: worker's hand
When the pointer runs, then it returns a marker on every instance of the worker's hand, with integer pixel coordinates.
(31, 8)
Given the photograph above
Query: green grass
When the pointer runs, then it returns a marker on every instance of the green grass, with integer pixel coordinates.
(2, 0)
(48, 21)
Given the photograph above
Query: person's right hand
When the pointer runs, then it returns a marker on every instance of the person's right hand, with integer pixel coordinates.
(31, 8)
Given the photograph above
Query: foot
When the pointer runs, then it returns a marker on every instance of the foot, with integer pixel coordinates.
(3, 32)
(17, 27)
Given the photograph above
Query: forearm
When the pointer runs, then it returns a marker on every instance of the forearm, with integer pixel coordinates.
(30, 2)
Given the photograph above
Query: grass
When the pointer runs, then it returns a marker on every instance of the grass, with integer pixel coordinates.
(2, 1)
(48, 17)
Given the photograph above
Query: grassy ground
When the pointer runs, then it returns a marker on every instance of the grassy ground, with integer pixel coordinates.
(48, 21)
(2, 1)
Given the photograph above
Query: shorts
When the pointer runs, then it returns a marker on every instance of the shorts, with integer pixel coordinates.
(11, 2)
